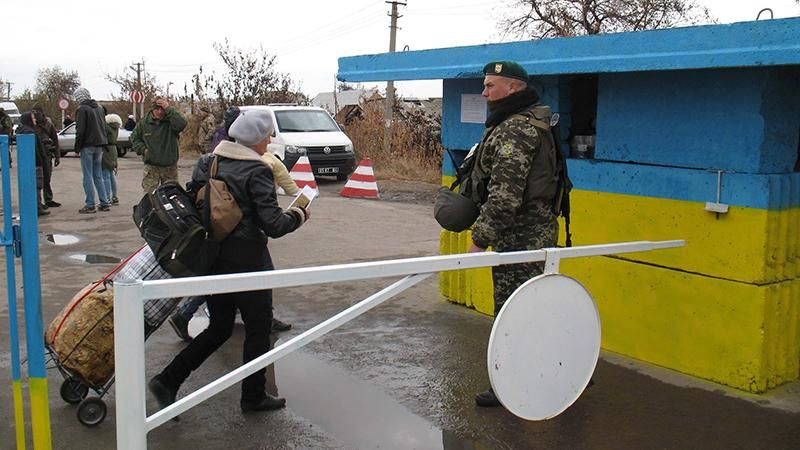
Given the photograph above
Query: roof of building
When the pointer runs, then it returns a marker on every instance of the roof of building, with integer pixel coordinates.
(343, 98)
(743, 44)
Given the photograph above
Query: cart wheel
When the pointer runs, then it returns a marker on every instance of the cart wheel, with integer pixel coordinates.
(73, 391)
(92, 411)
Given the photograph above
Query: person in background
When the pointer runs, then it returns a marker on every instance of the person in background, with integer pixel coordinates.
(49, 137)
(68, 120)
(130, 124)
(113, 124)
(221, 133)
(155, 138)
(205, 133)
(7, 128)
(244, 250)
(27, 125)
(91, 141)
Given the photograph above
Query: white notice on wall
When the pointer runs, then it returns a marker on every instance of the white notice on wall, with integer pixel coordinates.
(473, 108)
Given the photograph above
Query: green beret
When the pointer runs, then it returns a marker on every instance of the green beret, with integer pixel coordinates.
(508, 69)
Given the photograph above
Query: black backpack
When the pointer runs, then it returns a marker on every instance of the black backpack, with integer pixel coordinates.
(172, 226)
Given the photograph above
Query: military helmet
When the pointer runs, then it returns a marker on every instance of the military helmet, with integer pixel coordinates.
(453, 211)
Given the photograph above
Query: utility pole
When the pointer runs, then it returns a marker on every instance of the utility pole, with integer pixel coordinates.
(335, 100)
(138, 70)
(8, 86)
(389, 103)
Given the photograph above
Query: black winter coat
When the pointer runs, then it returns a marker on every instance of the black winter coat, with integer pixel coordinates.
(252, 185)
(26, 126)
(90, 125)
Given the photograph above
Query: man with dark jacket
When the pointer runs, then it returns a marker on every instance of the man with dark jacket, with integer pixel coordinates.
(49, 137)
(156, 139)
(250, 182)
(514, 179)
(91, 141)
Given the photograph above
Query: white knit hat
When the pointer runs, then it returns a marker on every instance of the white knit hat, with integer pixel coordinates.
(251, 127)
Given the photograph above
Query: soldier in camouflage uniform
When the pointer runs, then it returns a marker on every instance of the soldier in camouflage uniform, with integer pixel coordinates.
(206, 131)
(514, 179)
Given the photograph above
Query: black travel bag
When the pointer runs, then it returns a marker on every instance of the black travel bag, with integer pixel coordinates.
(173, 228)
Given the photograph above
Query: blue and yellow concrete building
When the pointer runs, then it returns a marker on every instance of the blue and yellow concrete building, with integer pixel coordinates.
(680, 118)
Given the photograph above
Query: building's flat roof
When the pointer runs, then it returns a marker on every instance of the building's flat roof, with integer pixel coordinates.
(745, 44)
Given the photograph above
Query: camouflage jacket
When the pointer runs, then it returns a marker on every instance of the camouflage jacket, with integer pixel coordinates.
(6, 125)
(509, 221)
(206, 133)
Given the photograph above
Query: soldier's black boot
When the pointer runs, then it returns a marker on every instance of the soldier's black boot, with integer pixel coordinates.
(487, 399)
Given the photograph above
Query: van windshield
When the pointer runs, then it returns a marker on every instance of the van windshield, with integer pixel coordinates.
(305, 121)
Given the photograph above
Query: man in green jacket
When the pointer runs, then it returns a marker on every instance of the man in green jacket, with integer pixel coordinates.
(156, 139)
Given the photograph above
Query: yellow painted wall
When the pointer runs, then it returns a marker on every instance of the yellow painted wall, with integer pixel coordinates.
(725, 308)
(738, 334)
(746, 244)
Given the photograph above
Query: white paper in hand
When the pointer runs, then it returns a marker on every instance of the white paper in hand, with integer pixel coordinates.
(304, 198)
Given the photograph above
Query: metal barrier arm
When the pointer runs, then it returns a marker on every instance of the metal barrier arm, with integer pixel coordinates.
(305, 276)
(132, 422)
(280, 351)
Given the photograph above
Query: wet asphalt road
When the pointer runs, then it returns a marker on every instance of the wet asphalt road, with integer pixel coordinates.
(401, 376)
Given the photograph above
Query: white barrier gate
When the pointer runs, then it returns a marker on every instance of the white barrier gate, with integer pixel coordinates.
(133, 424)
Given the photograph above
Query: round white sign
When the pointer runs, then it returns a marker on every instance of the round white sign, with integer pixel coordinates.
(63, 103)
(544, 347)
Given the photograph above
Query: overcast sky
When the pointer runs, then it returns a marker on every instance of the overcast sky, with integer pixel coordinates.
(174, 38)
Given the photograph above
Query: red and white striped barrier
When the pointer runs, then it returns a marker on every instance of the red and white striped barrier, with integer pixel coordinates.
(362, 183)
(302, 174)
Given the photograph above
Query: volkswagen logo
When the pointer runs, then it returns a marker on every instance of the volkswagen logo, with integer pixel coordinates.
(326, 150)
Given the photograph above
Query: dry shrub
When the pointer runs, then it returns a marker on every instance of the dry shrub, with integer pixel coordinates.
(188, 147)
(415, 153)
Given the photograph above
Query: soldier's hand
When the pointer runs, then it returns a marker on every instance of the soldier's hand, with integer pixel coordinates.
(163, 103)
(57, 161)
(475, 249)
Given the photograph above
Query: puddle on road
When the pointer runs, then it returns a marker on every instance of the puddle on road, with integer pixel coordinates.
(62, 239)
(357, 413)
(95, 259)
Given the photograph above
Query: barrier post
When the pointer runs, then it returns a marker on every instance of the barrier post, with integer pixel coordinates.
(11, 291)
(129, 365)
(34, 331)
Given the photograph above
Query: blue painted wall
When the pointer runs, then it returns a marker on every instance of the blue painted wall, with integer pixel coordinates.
(780, 191)
(744, 120)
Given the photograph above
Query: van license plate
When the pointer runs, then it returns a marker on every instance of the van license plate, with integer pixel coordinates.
(328, 170)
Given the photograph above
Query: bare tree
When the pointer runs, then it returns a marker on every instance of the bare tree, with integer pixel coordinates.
(551, 18)
(53, 83)
(127, 83)
(251, 79)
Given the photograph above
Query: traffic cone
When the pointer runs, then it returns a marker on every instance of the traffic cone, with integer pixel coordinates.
(302, 175)
(362, 183)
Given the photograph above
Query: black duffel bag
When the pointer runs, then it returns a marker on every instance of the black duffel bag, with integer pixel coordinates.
(173, 228)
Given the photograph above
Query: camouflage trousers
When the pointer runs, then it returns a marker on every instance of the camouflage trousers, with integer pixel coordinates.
(155, 176)
(507, 278)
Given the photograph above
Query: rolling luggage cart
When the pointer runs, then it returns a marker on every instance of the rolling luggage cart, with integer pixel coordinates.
(80, 340)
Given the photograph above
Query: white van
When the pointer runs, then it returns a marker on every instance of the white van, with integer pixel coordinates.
(310, 131)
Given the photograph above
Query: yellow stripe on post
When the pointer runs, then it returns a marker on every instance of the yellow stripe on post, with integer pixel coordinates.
(19, 414)
(40, 414)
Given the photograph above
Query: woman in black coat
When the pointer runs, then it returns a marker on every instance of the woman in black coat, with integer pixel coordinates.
(251, 183)
(27, 125)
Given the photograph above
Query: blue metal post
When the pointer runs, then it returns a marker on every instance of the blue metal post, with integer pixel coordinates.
(11, 289)
(34, 330)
